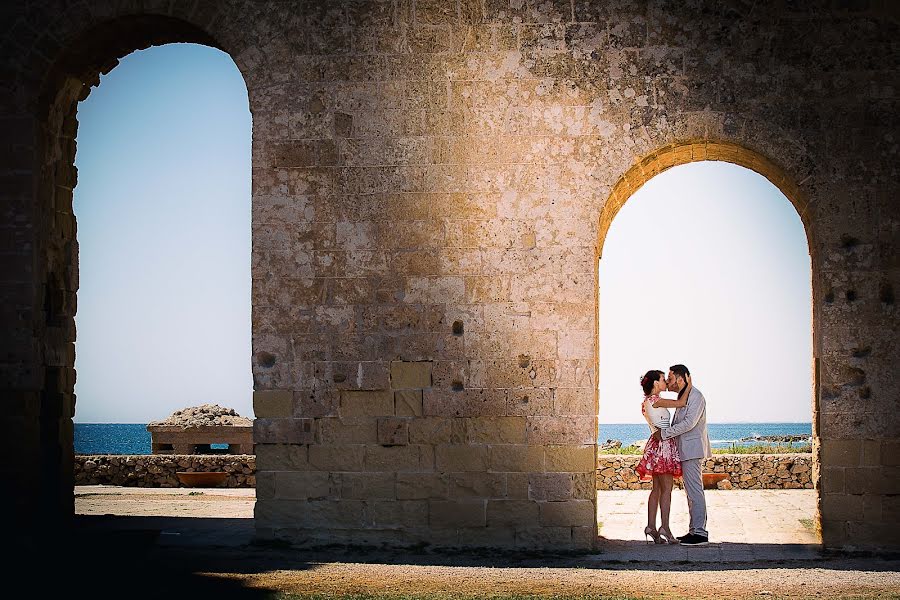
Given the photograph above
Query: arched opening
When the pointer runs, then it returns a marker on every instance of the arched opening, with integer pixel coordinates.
(163, 209)
(709, 266)
(67, 82)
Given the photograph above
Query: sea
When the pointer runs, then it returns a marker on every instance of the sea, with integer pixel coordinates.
(133, 438)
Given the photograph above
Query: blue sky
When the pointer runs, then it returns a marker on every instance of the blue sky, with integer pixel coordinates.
(163, 208)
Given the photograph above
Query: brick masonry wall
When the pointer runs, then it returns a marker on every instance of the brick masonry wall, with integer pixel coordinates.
(155, 470)
(432, 183)
(745, 471)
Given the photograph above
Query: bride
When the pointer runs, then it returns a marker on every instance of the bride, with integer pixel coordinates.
(660, 462)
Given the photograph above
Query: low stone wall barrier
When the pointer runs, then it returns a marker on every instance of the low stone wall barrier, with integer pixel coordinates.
(745, 471)
(158, 470)
(614, 471)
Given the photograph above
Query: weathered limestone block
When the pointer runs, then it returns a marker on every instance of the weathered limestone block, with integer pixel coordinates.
(574, 401)
(410, 375)
(400, 458)
(570, 458)
(437, 430)
(364, 486)
(561, 430)
(542, 537)
(367, 403)
(316, 403)
(530, 402)
(488, 537)
(345, 457)
(517, 458)
(464, 403)
(418, 486)
(304, 485)
(511, 512)
(477, 485)
(495, 430)
(347, 430)
(284, 431)
(567, 513)
(408, 403)
(400, 514)
(457, 513)
(841, 453)
(452, 457)
(550, 486)
(393, 431)
(273, 404)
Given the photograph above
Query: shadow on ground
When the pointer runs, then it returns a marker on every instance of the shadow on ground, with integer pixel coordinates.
(129, 557)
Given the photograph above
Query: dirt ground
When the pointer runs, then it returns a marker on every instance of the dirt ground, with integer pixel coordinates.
(244, 568)
(862, 579)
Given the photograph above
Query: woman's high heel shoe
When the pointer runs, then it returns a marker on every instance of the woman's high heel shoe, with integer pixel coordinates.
(666, 535)
(649, 532)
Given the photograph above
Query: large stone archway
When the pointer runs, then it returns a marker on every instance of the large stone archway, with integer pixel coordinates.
(41, 400)
(696, 150)
(428, 193)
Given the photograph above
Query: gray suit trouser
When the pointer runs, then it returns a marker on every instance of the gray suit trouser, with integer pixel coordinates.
(693, 488)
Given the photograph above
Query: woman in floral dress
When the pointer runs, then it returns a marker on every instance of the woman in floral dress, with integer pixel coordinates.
(660, 462)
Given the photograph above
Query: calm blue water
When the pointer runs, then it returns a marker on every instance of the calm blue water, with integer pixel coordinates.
(721, 435)
(133, 438)
(112, 438)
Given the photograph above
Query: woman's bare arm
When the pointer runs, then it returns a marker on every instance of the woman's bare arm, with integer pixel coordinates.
(663, 403)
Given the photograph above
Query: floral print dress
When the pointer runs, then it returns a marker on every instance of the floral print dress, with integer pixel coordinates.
(660, 456)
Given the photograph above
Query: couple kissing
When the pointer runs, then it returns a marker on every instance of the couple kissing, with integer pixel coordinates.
(676, 448)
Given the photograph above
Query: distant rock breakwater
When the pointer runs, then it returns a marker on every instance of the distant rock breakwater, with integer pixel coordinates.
(158, 470)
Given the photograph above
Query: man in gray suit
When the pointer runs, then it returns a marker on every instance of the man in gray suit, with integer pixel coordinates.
(692, 439)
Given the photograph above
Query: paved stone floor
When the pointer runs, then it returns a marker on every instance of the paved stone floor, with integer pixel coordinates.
(744, 525)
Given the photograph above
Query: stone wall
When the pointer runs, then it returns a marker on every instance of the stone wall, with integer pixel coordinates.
(745, 471)
(432, 184)
(154, 470)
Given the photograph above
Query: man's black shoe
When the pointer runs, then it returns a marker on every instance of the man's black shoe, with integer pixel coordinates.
(681, 537)
(694, 540)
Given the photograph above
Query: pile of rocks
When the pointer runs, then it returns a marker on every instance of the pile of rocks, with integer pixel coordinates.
(203, 416)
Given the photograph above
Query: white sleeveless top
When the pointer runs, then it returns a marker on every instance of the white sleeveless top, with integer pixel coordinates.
(657, 418)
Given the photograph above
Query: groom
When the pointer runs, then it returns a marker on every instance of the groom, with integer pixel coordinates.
(689, 430)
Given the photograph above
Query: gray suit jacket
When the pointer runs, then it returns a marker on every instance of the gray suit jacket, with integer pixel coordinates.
(689, 428)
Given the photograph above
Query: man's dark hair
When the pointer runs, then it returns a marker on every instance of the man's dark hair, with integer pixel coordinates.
(682, 371)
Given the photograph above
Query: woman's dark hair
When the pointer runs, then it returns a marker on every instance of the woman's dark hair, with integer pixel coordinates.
(649, 379)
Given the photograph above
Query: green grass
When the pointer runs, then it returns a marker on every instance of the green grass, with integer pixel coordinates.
(756, 449)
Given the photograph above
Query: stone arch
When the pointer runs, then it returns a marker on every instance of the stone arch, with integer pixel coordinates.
(680, 153)
(696, 150)
(94, 51)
